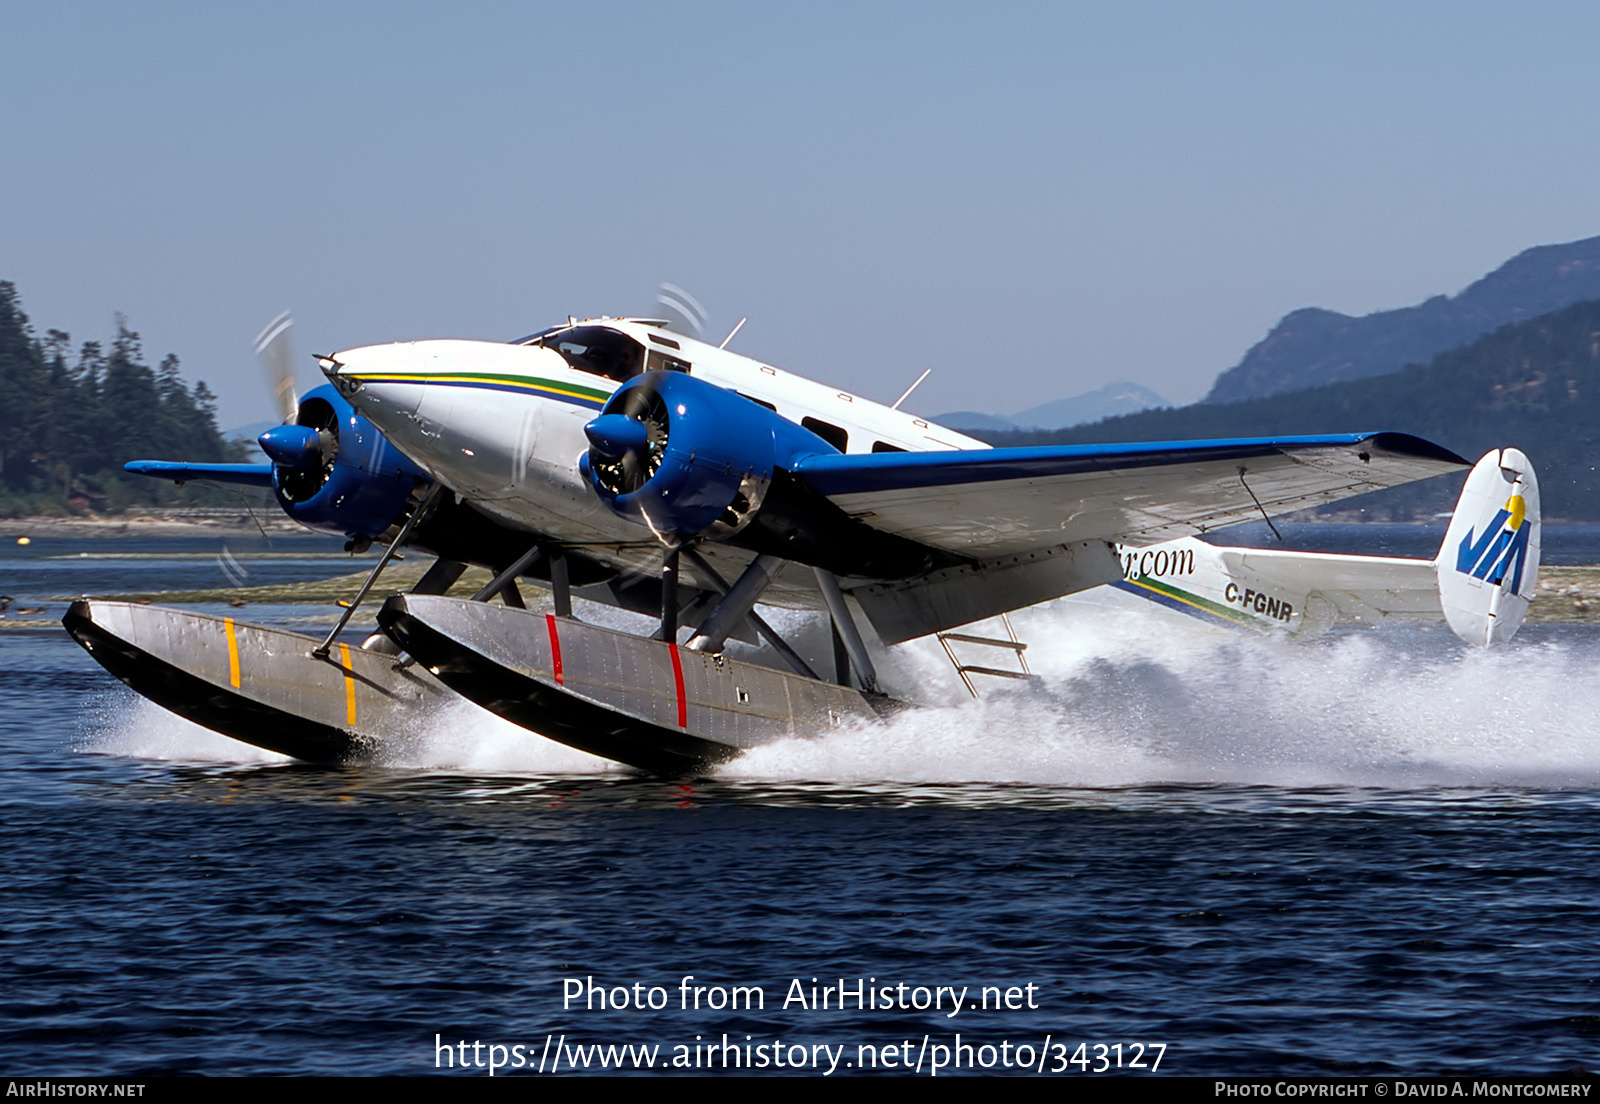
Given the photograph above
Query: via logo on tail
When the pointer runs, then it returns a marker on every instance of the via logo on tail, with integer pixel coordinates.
(1502, 548)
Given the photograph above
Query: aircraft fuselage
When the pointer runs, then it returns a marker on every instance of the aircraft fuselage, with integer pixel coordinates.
(503, 424)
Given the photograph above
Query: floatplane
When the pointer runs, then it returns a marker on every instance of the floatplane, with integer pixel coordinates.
(622, 462)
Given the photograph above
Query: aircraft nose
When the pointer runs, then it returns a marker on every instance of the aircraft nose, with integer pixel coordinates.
(375, 375)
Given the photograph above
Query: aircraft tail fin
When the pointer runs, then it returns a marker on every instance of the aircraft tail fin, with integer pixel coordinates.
(1488, 566)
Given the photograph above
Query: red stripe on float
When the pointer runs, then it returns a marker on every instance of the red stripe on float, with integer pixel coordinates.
(555, 647)
(677, 682)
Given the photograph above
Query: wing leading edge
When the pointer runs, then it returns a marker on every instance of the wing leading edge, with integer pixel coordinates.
(1007, 501)
(251, 475)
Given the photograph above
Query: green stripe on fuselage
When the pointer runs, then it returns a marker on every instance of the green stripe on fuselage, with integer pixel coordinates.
(500, 382)
(1204, 605)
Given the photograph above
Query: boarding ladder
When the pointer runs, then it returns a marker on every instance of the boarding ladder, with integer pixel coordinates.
(1011, 644)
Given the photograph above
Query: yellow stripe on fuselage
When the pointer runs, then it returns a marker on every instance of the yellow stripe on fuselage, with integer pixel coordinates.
(507, 383)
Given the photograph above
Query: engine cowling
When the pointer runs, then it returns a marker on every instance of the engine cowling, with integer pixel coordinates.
(333, 471)
(688, 458)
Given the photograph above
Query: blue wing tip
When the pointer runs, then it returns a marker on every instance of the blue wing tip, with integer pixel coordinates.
(1406, 444)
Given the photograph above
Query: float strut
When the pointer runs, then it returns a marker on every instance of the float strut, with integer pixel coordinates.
(845, 626)
(790, 656)
(669, 595)
(440, 577)
(512, 596)
(736, 604)
(507, 579)
(436, 580)
(560, 587)
(321, 650)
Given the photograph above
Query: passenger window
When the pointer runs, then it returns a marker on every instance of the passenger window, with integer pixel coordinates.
(830, 433)
(658, 361)
(885, 446)
(758, 402)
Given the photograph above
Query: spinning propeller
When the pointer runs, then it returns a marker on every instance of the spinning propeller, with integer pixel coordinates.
(277, 362)
(684, 312)
(627, 440)
(304, 446)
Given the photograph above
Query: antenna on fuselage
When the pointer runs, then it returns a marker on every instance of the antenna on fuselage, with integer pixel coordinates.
(733, 331)
(910, 389)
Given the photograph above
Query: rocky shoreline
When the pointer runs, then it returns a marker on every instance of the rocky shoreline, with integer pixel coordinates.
(176, 523)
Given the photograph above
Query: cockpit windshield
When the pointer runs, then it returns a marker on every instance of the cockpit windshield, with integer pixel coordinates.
(598, 350)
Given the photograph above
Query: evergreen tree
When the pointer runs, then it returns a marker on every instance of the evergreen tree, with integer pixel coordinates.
(22, 384)
(67, 429)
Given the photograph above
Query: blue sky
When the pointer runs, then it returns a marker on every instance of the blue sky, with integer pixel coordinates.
(1031, 199)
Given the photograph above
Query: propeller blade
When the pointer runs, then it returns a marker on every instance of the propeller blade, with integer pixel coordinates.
(685, 314)
(277, 362)
(634, 473)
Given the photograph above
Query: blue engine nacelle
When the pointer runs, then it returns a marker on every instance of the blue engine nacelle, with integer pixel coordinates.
(347, 479)
(688, 458)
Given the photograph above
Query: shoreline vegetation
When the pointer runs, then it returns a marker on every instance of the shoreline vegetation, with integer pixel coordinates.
(70, 420)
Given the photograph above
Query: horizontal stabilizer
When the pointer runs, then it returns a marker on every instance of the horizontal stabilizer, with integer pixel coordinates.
(1301, 593)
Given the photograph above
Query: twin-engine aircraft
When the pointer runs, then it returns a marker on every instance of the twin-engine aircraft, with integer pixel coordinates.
(622, 462)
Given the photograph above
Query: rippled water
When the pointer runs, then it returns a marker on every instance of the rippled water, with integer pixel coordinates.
(1372, 853)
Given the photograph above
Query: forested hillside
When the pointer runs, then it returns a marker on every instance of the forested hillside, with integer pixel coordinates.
(1535, 385)
(70, 419)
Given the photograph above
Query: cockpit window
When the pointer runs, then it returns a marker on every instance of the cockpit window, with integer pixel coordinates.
(533, 338)
(598, 350)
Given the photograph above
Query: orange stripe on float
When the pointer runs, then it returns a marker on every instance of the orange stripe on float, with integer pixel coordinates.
(677, 681)
(555, 647)
(233, 653)
(349, 686)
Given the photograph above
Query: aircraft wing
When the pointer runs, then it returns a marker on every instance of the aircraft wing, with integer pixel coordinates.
(1008, 501)
(252, 475)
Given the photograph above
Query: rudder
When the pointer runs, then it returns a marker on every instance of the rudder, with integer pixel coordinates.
(1488, 566)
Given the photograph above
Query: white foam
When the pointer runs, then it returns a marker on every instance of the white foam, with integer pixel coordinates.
(138, 728)
(461, 736)
(1146, 696)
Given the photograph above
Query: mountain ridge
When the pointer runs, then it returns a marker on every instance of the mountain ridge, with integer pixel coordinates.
(1312, 346)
